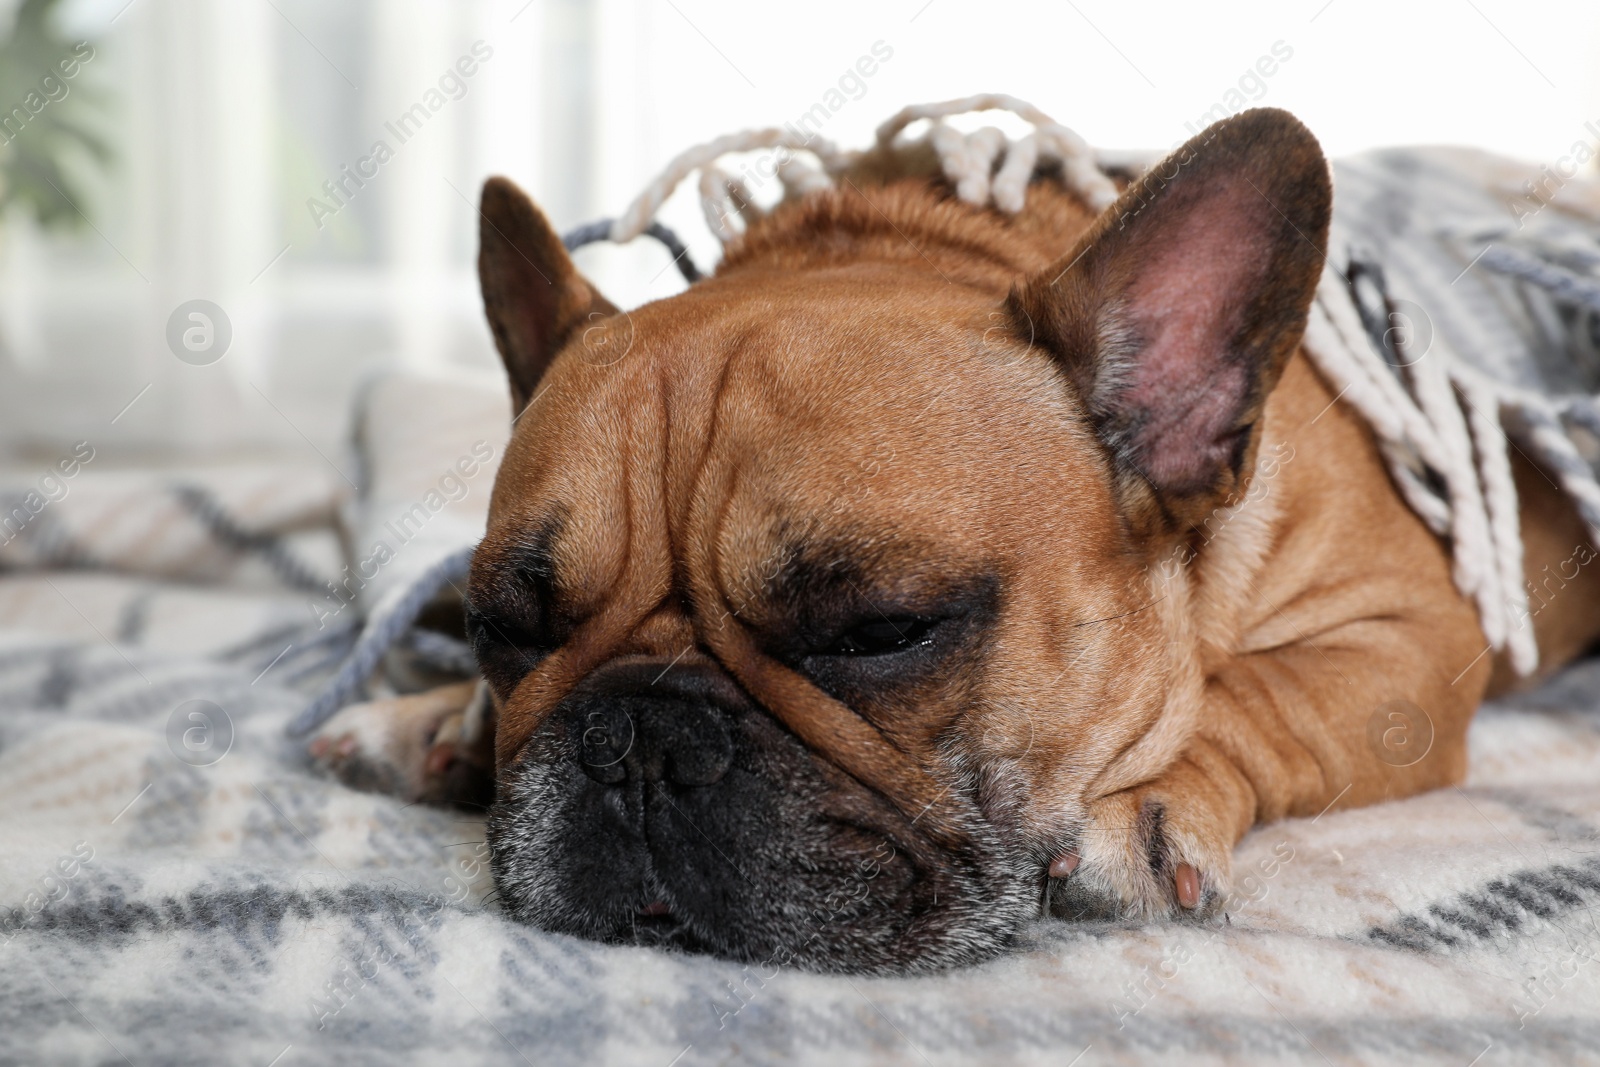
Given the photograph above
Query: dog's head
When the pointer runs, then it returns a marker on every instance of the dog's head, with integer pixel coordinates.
(816, 601)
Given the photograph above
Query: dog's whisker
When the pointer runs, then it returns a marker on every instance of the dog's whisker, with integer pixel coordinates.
(1124, 615)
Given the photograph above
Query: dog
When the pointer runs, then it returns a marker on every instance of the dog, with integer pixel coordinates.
(926, 563)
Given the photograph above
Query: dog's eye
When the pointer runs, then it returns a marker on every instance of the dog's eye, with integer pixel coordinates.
(485, 630)
(505, 648)
(881, 637)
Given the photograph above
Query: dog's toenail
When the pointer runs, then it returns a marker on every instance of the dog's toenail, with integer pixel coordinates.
(1063, 865)
(1188, 880)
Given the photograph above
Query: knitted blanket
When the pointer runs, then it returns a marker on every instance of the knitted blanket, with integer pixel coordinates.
(177, 887)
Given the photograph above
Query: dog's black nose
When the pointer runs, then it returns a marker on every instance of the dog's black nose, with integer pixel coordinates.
(651, 738)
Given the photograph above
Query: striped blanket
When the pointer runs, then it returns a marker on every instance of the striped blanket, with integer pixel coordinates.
(179, 890)
(176, 886)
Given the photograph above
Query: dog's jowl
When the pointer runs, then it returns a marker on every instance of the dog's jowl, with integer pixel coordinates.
(925, 551)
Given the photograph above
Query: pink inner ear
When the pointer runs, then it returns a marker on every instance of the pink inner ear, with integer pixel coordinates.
(1203, 264)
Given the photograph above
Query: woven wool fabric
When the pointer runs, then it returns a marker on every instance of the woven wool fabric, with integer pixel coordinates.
(242, 910)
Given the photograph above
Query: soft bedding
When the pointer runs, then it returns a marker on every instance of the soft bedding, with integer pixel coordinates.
(177, 887)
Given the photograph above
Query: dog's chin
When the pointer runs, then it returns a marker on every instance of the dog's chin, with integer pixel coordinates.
(785, 864)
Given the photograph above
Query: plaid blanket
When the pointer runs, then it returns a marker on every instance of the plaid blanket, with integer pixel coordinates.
(180, 890)
(177, 887)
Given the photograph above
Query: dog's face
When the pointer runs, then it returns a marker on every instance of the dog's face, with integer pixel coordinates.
(817, 601)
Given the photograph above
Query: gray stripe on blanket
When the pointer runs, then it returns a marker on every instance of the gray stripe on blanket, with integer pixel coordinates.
(539, 1019)
(1496, 908)
(249, 911)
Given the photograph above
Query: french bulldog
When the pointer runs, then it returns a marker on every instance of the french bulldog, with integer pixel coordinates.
(927, 563)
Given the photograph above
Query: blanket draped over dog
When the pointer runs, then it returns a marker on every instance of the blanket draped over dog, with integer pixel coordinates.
(1459, 313)
(1461, 318)
(177, 887)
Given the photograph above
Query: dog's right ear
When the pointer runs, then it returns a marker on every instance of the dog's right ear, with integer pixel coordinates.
(534, 296)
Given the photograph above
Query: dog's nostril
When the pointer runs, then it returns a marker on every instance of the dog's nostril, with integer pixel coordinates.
(696, 744)
(683, 742)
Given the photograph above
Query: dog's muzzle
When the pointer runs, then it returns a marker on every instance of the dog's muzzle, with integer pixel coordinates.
(659, 804)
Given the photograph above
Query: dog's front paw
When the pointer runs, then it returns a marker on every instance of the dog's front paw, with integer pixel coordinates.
(1157, 850)
(416, 747)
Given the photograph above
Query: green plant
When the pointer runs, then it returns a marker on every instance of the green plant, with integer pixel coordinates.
(46, 118)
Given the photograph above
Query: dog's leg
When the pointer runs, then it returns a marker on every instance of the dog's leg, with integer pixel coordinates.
(1336, 720)
(1156, 850)
(1343, 707)
(435, 746)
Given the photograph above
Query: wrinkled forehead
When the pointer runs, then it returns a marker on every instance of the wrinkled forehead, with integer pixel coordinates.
(753, 417)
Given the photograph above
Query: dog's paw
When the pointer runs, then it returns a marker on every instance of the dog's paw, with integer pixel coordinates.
(414, 747)
(1159, 850)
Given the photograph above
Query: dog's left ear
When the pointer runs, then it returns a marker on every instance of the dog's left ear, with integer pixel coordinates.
(1175, 314)
(533, 294)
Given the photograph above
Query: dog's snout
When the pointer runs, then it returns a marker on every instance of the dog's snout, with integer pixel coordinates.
(652, 739)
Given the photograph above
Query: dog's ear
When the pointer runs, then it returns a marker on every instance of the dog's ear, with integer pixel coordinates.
(1175, 314)
(534, 296)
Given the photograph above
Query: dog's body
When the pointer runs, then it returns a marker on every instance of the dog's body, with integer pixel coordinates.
(829, 604)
